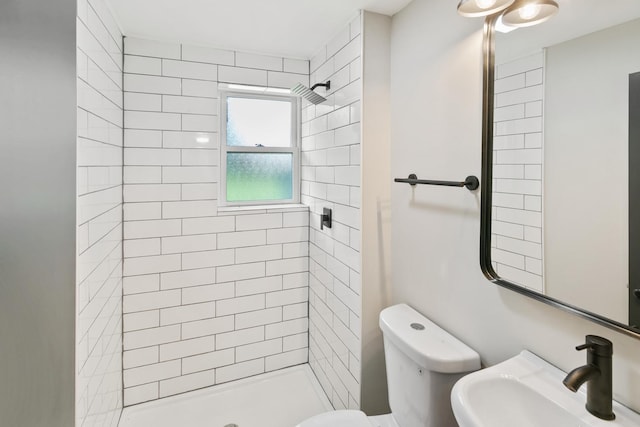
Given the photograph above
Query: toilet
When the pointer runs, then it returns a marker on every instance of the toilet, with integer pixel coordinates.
(423, 362)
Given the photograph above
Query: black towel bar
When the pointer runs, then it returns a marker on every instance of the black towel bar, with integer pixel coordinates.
(471, 182)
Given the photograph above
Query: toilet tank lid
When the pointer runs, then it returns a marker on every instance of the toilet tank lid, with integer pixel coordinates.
(431, 347)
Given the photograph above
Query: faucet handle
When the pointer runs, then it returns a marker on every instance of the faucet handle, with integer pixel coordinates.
(598, 345)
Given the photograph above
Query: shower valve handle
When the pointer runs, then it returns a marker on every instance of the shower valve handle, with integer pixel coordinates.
(325, 218)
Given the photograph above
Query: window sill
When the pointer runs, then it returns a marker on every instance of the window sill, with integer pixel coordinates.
(289, 206)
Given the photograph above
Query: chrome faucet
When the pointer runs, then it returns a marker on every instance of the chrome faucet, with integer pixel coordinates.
(597, 373)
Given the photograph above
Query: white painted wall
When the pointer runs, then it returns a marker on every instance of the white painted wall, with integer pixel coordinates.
(587, 141)
(436, 82)
(376, 206)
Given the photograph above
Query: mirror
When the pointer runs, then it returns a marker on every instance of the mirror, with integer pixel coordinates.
(561, 199)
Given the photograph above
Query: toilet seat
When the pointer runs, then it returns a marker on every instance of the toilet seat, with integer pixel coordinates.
(341, 418)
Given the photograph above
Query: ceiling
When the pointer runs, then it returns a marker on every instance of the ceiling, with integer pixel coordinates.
(295, 28)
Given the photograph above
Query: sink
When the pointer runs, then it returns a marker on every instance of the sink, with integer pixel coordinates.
(505, 401)
(526, 391)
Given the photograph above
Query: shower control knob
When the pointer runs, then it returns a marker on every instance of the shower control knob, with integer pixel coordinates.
(636, 293)
(325, 218)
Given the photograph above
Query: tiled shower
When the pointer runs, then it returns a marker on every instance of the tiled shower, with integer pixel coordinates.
(99, 216)
(177, 293)
(210, 295)
(126, 286)
(331, 177)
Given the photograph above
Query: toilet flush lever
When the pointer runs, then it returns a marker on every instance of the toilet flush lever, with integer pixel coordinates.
(325, 218)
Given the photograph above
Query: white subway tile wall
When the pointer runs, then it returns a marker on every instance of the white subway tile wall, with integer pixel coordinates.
(517, 185)
(209, 296)
(331, 178)
(99, 216)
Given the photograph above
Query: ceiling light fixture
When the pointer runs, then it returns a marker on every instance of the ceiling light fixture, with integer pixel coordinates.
(501, 28)
(474, 8)
(526, 13)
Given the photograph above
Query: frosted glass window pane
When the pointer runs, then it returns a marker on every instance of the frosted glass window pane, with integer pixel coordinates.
(255, 122)
(259, 176)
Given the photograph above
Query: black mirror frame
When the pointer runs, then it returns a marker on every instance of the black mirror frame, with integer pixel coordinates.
(488, 54)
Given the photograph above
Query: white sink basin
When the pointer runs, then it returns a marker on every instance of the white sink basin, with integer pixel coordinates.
(526, 391)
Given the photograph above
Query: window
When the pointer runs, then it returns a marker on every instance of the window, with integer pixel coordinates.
(259, 148)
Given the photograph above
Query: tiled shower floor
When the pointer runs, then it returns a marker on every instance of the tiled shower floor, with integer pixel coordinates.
(277, 399)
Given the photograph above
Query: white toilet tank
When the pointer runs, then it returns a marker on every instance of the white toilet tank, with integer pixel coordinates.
(423, 362)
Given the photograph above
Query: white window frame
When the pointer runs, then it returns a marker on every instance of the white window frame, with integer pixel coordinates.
(294, 149)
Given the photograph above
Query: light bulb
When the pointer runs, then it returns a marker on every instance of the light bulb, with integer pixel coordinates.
(529, 11)
(485, 4)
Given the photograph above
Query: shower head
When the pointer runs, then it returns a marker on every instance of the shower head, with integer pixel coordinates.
(309, 94)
